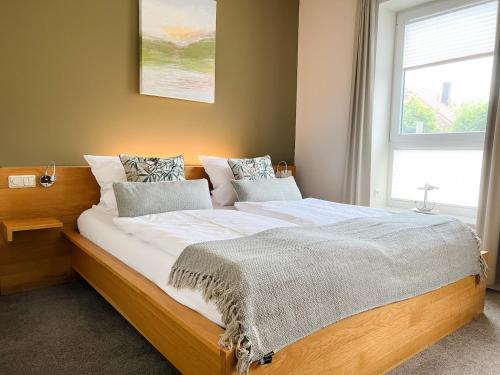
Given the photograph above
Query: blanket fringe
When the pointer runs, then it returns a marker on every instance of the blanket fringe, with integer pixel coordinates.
(222, 295)
(484, 268)
(482, 262)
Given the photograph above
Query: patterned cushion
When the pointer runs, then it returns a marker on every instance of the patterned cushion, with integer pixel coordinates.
(252, 169)
(144, 169)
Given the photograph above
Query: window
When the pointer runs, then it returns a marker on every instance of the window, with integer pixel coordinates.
(443, 67)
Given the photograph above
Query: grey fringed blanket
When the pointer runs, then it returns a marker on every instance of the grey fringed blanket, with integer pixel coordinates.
(278, 286)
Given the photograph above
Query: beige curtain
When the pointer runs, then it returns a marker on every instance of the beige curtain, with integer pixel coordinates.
(357, 173)
(488, 222)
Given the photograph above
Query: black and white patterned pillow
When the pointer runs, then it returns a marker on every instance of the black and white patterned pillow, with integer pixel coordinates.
(252, 169)
(145, 169)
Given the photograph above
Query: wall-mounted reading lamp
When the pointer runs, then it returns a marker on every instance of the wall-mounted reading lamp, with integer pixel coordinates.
(48, 180)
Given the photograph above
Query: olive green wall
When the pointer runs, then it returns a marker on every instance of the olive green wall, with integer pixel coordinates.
(69, 84)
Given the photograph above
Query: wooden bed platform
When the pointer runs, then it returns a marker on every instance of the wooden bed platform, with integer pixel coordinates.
(372, 342)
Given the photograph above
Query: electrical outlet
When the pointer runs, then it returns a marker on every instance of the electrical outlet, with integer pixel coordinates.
(22, 181)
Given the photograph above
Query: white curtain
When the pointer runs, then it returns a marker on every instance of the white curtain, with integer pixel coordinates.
(357, 173)
(488, 223)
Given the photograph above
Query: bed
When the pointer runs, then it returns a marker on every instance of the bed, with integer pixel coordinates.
(368, 343)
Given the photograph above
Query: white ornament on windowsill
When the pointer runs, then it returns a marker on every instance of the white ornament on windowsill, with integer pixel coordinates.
(425, 208)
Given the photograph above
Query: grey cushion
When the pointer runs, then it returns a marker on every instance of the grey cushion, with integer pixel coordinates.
(148, 169)
(276, 189)
(252, 169)
(139, 198)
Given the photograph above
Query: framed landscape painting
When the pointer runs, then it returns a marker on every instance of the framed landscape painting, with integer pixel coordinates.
(178, 49)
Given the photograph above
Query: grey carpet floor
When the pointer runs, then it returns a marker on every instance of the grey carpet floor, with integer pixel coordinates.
(473, 349)
(70, 329)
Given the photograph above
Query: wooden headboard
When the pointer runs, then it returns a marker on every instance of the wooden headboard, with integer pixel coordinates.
(42, 258)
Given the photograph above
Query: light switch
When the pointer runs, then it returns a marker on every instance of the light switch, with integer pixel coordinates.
(30, 181)
(23, 181)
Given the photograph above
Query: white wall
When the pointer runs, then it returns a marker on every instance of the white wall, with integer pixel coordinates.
(381, 119)
(326, 43)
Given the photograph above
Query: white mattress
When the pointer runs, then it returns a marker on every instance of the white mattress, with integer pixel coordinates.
(172, 232)
(309, 211)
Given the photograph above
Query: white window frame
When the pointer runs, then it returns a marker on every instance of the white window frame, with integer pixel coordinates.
(440, 141)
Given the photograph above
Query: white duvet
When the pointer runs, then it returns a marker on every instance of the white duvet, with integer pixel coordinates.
(309, 211)
(172, 232)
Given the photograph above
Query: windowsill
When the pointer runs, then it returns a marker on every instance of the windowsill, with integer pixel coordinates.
(471, 221)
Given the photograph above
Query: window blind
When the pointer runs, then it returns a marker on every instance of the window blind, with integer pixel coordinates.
(457, 34)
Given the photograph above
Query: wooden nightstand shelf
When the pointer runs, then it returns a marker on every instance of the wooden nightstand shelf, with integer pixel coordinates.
(21, 225)
(33, 254)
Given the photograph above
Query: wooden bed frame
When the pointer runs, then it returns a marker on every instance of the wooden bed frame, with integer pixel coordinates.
(372, 342)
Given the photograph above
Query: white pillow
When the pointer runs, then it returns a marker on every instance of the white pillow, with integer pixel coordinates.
(217, 169)
(220, 175)
(106, 170)
(225, 195)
